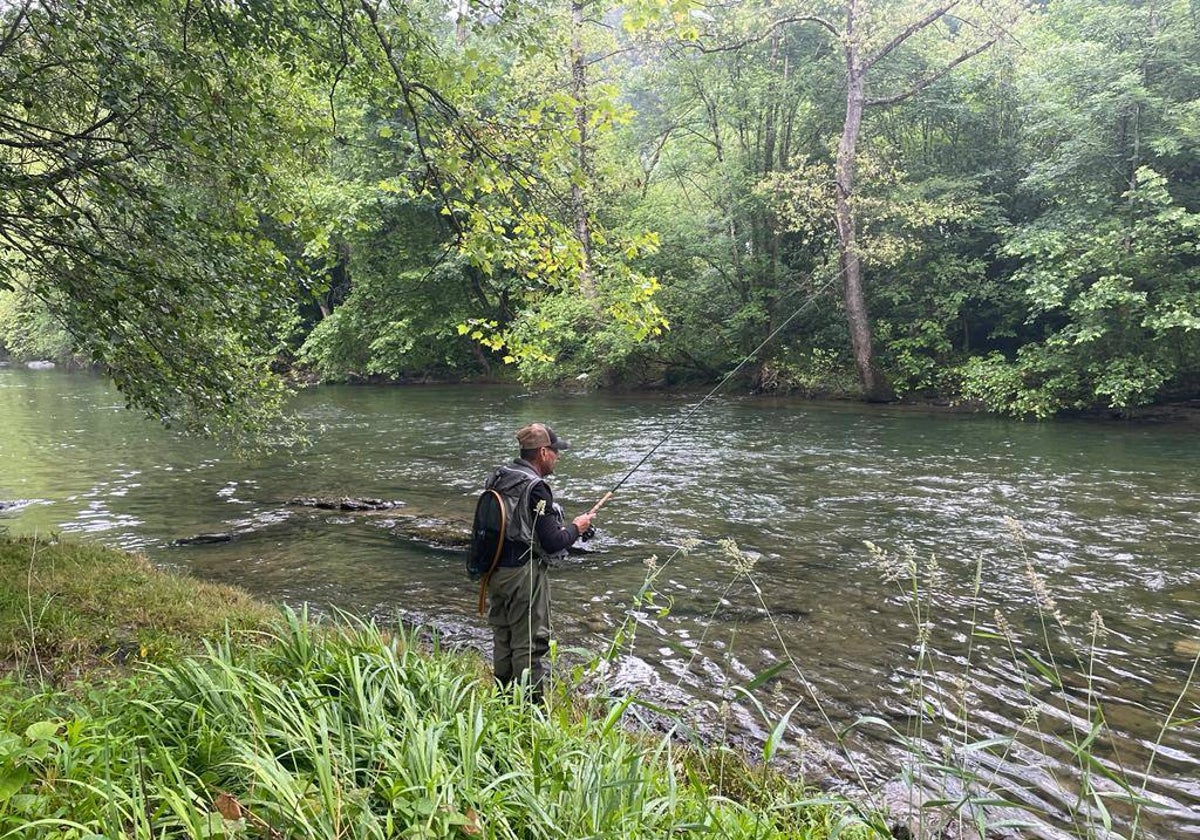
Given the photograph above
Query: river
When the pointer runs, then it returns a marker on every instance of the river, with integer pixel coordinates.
(1008, 524)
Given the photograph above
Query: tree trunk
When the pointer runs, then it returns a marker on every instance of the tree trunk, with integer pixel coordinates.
(579, 202)
(875, 387)
(339, 282)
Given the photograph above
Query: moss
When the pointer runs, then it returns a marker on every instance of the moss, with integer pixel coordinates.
(68, 609)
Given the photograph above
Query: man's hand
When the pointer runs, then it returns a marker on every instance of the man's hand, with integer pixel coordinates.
(583, 521)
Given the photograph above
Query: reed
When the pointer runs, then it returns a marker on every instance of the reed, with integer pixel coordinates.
(951, 751)
(952, 756)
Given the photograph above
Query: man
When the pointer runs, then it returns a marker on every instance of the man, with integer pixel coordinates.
(519, 588)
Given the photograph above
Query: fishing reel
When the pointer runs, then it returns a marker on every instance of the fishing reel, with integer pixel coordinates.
(588, 534)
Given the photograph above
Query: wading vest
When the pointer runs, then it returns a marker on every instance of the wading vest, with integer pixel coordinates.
(514, 482)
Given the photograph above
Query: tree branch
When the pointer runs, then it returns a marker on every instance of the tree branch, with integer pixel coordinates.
(14, 28)
(912, 29)
(927, 81)
(819, 21)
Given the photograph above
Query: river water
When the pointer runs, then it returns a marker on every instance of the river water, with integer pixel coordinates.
(991, 661)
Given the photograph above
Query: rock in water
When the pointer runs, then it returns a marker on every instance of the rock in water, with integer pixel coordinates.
(1187, 648)
(203, 539)
(346, 503)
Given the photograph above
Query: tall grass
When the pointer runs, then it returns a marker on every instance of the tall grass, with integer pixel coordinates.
(340, 731)
(958, 768)
(954, 754)
(740, 773)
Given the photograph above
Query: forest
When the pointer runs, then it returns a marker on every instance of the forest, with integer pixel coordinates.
(987, 202)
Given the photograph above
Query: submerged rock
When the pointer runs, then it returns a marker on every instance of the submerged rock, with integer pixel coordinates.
(204, 539)
(1187, 648)
(40, 365)
(438, 532)
(238, 528)
(346, 503)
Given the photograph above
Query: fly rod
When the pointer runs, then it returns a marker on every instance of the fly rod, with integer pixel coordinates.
(749, 356)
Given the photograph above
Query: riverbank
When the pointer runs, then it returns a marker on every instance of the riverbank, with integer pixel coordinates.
(1180, 411)
(150, 704)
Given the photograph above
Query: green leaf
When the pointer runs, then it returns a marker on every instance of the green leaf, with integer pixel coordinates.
(1043, 669)
(776, 736)
(12, 779)
(1105, 817)
(868, 720)
(44, 730)
(988, 743)
(767, 675)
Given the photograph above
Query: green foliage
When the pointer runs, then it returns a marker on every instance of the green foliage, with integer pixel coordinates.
(341, 731)
(395, 326)
(561, 335)
(28, 330)
(812, 372)
(1118, 296)
(203, 195)
(920, 237)
(1106, 261)
(443, 213)
(1035, 384)
(140, 142)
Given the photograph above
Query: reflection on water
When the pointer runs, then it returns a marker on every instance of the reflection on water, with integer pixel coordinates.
(1104, 516)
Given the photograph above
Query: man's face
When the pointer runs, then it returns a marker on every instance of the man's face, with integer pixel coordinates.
(549, 460)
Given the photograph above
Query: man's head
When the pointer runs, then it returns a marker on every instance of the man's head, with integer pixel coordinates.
(540, 446)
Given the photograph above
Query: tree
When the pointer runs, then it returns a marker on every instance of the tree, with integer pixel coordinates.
(718, 113)
(871, 31)
(136, 146)
(156, 162)
(1106, 258)
(777, 115)
(502, 148)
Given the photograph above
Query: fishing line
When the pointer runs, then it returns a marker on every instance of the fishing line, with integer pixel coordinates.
(746, 570)
(745, 361)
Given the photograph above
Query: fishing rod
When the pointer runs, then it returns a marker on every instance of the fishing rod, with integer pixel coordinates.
(604, 499)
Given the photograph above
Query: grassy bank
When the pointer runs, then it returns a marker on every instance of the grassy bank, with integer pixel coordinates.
(204, 714)
(69, 610)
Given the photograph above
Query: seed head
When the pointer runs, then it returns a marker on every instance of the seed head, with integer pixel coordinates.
(1004, 627)
(1041, 593)
(743, 563)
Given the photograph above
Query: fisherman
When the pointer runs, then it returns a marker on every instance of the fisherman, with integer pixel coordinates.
(537, 535)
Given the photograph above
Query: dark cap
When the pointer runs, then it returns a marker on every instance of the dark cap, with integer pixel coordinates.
(537, 435)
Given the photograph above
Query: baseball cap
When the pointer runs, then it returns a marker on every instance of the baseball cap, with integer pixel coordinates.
(537, 435)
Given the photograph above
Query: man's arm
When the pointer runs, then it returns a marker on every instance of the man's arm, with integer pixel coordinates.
(552, 536)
